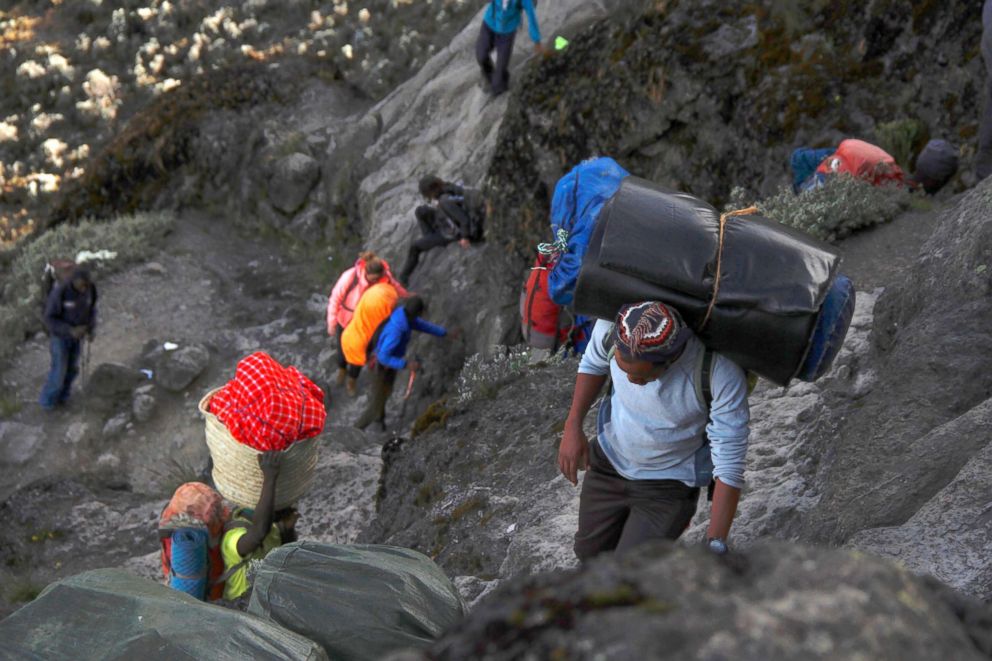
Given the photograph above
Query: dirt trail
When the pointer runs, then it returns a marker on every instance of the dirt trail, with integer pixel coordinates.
(207, 284)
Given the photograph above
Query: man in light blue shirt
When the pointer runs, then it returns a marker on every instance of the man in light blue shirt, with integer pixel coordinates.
(498, 32)
(656, 443)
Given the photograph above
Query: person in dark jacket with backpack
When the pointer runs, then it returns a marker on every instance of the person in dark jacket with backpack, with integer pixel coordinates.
(660, 438)
(453, 214)
(70, 316)
(498, 32)
(390, 352)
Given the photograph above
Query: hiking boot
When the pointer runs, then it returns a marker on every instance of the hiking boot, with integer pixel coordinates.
(342, 373)
(351, 385)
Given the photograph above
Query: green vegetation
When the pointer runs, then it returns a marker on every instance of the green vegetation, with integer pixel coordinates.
(904, 139)
(176, 470)
(484, 378)
(9, 404)
(435, 416)
(836, 209)
(131, 237)
(427, 494)
(22, 593)
(45, 536)
(129, 173)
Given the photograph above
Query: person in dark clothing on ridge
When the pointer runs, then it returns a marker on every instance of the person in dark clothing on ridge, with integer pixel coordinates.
(498, 32)
(389, 354)
(70, 316)
(453, 214)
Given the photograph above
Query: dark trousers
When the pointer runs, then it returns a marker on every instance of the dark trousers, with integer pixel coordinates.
(65, 367)
(618, 514)
(489, 41)
(430, 238)
(383, 379)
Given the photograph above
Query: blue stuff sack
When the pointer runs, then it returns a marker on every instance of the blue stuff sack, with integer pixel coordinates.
(831, 329)
(579, 196)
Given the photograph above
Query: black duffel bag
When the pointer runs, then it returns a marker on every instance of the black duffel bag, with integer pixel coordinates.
(652, 243)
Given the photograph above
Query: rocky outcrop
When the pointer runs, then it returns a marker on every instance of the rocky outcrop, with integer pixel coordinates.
(777, 601)
(482, 495)
(177, 368)
(705, 96)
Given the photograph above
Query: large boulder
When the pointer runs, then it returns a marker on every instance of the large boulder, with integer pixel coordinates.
(293, 178)
(113, 381)
(176, 370)
(777, 601)
(19, 442)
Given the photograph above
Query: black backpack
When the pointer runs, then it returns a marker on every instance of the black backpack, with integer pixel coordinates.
(56, 272)
(475, 207)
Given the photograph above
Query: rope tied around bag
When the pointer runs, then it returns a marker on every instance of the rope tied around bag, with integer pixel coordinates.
(724, 217)
(556, 247)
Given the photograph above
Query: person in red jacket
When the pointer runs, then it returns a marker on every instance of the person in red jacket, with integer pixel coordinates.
(367, 271)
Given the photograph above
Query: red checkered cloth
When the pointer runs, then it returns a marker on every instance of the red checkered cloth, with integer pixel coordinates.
(267, 406)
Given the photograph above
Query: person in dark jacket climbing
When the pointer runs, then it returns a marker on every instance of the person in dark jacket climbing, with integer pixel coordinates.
(70, 316)
(453, 213)
(656, 444)
(498, 32)
(252, 534)
(390, 352)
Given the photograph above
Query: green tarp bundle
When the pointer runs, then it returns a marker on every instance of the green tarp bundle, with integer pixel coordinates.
(358, 601)
(111, 614)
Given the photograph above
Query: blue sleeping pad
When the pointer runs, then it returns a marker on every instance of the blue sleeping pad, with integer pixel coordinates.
(803, 163)
(189, 562)
(832, 323)
(579, 197)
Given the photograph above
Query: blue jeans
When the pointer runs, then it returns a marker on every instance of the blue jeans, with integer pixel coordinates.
(65, 367)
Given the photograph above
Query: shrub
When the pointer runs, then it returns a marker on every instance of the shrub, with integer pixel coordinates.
(482, 378)
(904, 139)
(131, 237)
(834, 210)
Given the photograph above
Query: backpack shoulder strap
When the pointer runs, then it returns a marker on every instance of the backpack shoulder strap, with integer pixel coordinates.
(609, 348)
(229, 573)
(703, 381)
(704, 391)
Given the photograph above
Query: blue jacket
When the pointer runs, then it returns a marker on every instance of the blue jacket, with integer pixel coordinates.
(503, 17)
(67, 307)
(395, 335)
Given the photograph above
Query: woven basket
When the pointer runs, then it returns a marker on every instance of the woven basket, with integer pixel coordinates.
(237, 475)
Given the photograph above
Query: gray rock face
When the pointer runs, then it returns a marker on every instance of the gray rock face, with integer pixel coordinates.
(176, 370)
(19, 442)
(776, 601)
(927, 414)
(112, 381)
(116, 425)
(292, 180)
(308, 226)
(143, 403)
(950, 536)
(482, 495)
